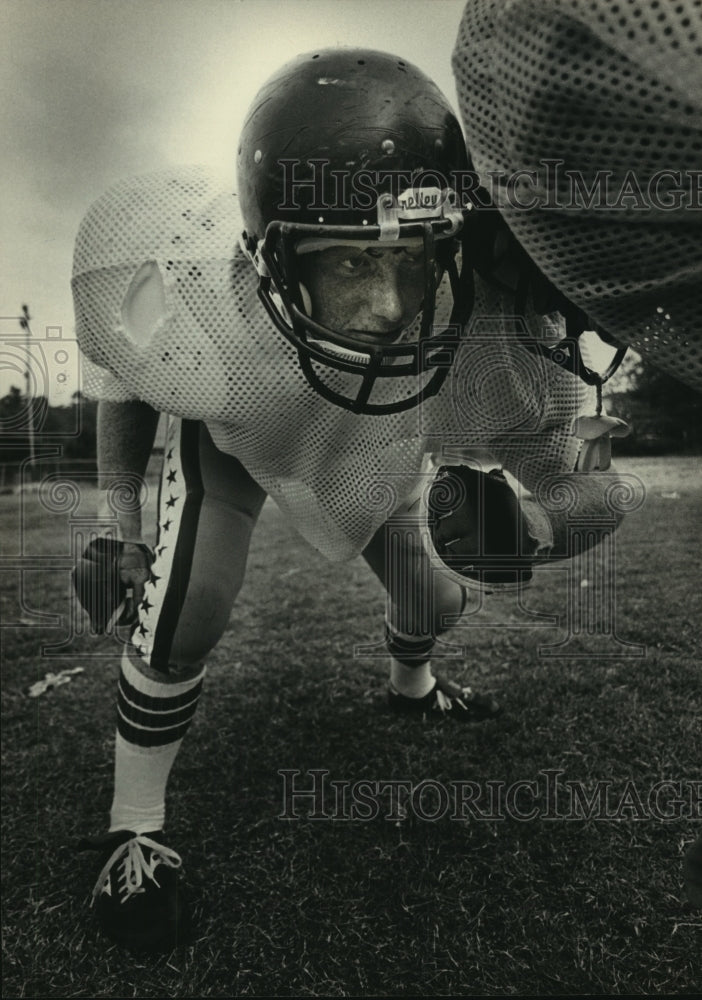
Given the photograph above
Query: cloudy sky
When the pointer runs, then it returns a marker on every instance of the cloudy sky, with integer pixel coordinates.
(95, 90)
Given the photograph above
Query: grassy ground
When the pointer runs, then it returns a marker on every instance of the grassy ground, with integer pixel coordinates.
(488, 904)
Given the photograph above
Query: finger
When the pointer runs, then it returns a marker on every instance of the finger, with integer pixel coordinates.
(130, 606)
(605, 453)
(138, 587)
(588, 456)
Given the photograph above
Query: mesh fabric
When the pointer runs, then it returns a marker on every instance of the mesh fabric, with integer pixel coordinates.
(216, 356)
(611, 92)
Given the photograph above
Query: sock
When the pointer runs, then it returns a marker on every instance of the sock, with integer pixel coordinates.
(152, 721)
(413, 682)
(410, 666)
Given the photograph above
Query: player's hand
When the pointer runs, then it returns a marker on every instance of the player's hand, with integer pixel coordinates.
(109, 579)
(134, 571)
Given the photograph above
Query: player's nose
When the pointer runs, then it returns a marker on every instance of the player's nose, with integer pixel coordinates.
(386, 296)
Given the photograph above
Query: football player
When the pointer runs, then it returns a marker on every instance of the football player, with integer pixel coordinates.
(353, 332)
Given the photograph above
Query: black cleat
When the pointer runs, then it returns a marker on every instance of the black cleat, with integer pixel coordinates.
(140, 902)
(446, 700)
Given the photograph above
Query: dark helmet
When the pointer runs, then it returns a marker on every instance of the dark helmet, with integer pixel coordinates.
(346, 145)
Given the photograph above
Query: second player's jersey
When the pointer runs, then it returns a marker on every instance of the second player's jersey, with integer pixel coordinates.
(215, 356)
(591, 113)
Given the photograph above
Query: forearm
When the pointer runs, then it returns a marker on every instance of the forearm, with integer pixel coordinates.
(589, 505)
(125, 437)
(560, 511)
(489, 531)
(554, 498)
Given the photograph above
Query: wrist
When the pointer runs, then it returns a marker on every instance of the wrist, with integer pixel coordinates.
(124, 525)
(539, 527)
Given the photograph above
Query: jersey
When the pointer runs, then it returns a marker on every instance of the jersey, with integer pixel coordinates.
(215, 356)
(590, 113)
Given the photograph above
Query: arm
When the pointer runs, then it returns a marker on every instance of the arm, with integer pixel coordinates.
(125, 437)
(555, 499)
(486, 529)
(544, 509)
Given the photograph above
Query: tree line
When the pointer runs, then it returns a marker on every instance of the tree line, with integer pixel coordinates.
(31, 426)
(665, 417)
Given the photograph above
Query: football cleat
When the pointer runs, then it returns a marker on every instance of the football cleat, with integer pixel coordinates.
(140, 902)
(99, 588)
(446, 700)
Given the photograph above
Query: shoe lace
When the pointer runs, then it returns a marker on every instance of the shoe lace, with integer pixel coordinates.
(134, 865)
(445, 699)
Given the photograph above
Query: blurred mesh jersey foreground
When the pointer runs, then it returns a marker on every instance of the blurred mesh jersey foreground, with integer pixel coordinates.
(611, 94)
(215, 355)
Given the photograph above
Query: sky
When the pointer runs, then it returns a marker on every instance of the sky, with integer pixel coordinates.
(97, 90)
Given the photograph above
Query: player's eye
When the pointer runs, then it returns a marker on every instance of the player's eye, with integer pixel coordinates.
(413, 255)
(355, 262)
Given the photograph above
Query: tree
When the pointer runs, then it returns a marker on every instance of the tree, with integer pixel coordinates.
(665, 415)
(72, 427)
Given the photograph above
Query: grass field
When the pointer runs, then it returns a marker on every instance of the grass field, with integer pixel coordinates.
(488, 903)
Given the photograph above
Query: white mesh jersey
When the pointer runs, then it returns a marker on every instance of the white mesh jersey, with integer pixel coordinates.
(216, 356)
(610, 92)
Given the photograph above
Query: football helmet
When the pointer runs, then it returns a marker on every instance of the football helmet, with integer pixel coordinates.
(357, 148)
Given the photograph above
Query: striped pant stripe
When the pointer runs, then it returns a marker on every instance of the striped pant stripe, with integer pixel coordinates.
(185, 546)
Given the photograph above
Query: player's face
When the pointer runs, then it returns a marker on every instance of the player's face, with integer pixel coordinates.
(370, 292)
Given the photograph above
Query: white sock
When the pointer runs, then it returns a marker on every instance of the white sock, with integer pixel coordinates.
(153, 718)
(413, 682)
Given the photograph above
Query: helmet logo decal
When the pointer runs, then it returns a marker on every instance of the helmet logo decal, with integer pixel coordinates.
(427, 199)
(416, 204)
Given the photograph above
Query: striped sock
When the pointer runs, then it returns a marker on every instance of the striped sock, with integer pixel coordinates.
(153, 717)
